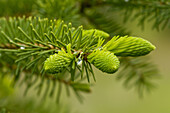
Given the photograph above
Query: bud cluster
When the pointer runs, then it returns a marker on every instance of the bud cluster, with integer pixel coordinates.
(104, 59)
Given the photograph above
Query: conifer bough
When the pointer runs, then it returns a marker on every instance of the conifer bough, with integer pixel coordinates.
(45, 37)
(105, 60)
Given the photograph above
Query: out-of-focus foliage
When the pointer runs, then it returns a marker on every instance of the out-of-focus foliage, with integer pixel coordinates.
(143, 10)
(66, 10)
(139, 74)
(16, 7)
(104, 19)
(29, 105)
(102, 12)
(5, 87)
(11, 103)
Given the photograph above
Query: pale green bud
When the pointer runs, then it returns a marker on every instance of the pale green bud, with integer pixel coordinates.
(129, 46)
(97, 33)
(104, 61)
(58, 62)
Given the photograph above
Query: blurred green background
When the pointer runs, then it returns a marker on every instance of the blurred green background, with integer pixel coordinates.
(109, 95)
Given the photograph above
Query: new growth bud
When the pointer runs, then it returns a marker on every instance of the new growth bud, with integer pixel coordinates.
(104, 61)
(58, 62)
(129, 46)
(97, 33)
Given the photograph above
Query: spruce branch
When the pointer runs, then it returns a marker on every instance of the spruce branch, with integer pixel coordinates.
(31, 51)
(52, 51)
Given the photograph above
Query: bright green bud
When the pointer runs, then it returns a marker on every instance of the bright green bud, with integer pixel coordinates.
(58, 62)
(129, 46)
(104, 61)
(97, 33)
